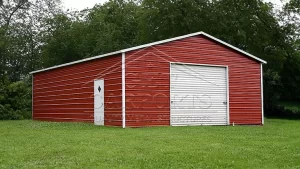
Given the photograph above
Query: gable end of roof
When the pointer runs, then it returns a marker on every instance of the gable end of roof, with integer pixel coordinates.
(152, 44)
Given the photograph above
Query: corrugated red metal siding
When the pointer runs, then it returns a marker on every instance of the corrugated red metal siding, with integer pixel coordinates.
(148, 80)
(66, 93)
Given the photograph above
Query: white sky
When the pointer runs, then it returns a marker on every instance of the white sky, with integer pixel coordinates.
(82, 4)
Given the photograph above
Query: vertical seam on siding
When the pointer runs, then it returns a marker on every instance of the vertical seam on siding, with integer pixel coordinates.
(123, 92)
(262, 94)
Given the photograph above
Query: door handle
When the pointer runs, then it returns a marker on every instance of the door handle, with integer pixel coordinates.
(224, 102)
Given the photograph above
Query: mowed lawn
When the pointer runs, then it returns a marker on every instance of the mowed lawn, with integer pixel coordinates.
(33, 144)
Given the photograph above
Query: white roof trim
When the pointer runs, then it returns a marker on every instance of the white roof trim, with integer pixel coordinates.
(152, 44)
(235, 48)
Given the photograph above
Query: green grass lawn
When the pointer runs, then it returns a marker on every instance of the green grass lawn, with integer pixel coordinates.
(32, 144)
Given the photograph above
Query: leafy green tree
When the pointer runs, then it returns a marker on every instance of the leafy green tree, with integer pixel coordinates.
(102, 29)
(249, 25)
(164, 19)
(290, 75)
(112, 26)
(15, 99)
(61, 42)
(20, 44)
(21, 24)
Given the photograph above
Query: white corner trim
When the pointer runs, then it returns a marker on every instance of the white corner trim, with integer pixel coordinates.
(170, 91)
(227, 86)
(32, 96)
(123, 91)
(262, 94)
(152, 44)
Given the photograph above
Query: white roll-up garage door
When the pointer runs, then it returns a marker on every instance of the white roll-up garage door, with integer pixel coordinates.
(198, 95)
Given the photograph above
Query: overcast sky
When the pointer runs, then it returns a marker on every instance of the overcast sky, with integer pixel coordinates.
(82, 4)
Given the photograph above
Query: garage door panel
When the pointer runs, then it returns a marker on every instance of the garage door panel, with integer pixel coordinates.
(191, 86)
(179, 100)
(186, 69)
(200, 77)
(191, 113)
(188, 107)
(180, 79)
(203, 105)
(188, 92)
(198, 120)
(198, 95)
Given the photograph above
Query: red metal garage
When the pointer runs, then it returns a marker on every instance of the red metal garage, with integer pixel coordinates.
(194, 79)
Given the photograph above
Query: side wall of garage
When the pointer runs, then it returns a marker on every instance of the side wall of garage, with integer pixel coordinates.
(148, 80)
(67, 93)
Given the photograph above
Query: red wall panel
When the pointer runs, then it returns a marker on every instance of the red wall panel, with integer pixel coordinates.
(148, 80)
(66, 93)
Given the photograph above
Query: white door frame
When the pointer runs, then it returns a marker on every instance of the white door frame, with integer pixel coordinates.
(99, 108)
(208, 65)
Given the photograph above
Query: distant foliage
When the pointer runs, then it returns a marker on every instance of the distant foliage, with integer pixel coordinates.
(15, 100)
(282, 112)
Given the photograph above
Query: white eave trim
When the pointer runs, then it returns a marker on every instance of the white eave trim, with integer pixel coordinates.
(235, 48)
(152, 44)
(78, 61)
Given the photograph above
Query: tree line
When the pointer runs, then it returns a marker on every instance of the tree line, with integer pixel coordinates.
(36, 34)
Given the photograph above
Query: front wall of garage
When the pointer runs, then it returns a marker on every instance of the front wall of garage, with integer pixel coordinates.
(148, 80)
(67, 93)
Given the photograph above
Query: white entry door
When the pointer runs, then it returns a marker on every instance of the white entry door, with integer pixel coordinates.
(99, 102)
(198, 95)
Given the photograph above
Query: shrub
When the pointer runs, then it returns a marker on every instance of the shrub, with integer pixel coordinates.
(279, 111)
(15, 100)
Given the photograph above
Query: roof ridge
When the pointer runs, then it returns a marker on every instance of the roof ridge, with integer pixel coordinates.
(152, 44)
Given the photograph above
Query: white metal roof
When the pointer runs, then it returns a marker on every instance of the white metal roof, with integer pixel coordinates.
(152, 44)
